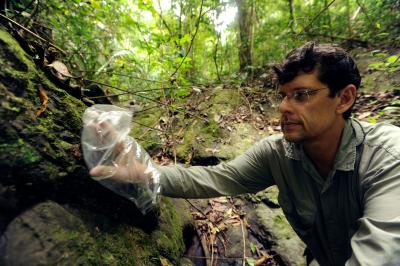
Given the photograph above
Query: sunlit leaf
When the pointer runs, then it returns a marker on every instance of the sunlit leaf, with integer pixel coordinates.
(392, 59)
(253, 248)
(250, 261)
(372, 120)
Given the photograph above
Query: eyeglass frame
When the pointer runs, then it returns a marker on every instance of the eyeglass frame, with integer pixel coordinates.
(303, 92)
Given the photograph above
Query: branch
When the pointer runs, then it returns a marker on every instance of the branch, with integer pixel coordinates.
(33, 34)
(165, 22)
(337, 37)
(319, 13)
(192, 40)
(179, 109)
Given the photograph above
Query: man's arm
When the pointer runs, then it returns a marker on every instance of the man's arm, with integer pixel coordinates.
(247, 173)
(377, 241)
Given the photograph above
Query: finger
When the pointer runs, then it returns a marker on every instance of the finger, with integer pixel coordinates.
(101, 171)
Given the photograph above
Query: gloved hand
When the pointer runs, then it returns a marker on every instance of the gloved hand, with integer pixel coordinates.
(114, 158)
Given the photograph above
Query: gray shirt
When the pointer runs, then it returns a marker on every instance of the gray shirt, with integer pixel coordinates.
(350, 217)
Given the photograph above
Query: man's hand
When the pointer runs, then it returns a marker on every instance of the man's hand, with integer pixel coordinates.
(117, 151)
(134, 172)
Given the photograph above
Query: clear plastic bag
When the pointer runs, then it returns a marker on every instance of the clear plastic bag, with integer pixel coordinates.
(119, 162)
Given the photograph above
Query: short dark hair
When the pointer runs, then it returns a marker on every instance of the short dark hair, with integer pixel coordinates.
(334, 65)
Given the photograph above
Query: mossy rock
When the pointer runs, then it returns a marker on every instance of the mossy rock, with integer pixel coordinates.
(43, 172)
(142, 128)
(69, 235)
(204, 136)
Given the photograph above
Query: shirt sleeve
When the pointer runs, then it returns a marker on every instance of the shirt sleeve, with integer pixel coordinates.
(377, 241)
(247, 173)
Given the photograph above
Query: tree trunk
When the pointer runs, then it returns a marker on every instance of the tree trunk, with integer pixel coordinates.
(245, 23)
(292, 21)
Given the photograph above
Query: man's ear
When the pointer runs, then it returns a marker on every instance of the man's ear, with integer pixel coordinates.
(347, 97)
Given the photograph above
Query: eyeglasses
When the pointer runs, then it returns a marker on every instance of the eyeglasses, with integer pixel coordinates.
(298, 96)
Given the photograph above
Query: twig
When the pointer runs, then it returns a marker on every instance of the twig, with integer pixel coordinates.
(216, 258)
(33, 34)
(124, 75)
(109, 95)
(165, 23)
(244, 243)
(316, 16)
(153, 128)
(336, 37)
(192, 40)
(146, 109)
(179, 109)
(199, 210)
(144, 133)
(212, 250)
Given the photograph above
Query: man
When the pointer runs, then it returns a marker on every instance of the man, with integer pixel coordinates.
(338, 178)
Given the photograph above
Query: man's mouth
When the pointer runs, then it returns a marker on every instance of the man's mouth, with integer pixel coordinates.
(287, 124)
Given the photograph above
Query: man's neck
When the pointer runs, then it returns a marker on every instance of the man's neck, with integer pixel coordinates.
(322, 151)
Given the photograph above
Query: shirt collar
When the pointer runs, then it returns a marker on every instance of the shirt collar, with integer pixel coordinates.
(352, 136)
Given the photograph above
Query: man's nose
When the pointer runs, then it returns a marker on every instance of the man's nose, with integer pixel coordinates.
(285, 106)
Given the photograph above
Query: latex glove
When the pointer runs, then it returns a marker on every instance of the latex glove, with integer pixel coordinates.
(114, 158)
(119, 154)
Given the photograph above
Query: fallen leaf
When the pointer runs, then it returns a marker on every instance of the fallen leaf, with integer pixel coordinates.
(164, 262)
(44, 99)
(60, 68)
(364, 115)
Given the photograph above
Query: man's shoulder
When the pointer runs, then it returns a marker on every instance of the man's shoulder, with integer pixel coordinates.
(272, 140)
(382, 136)
(269, 144)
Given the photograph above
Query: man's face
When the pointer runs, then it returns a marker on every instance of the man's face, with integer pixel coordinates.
(307, 111)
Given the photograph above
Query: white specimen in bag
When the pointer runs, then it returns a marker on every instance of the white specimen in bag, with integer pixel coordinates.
(106, 143)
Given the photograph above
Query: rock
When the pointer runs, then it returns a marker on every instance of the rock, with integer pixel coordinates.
(51, 211)
(271, 226)
(37, 237)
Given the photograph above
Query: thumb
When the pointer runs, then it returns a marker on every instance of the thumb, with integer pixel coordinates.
(102, 171)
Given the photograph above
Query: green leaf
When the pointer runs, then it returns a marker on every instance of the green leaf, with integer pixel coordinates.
(391, 108)
(376, 65)
(253, 248)
(182, 92)
(372, 120)
(374, 52)
(250, 261)
(392, 59)
(395, 103)
(185, 39)
(380, 54)
(383, 34)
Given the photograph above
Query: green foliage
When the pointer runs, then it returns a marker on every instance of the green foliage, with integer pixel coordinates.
(253, 248)
(389, 63)
(250, 261)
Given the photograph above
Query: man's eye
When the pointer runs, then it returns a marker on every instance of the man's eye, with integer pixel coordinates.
(300, 96)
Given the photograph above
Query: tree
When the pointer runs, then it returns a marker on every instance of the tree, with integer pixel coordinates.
(245, 14)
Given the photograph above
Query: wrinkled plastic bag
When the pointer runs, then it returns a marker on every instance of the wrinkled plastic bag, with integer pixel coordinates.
(127, 169)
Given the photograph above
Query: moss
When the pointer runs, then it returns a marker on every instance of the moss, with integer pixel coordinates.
(73, 111)
(225, 100)
(211, 128)
(13, 48)
(147, 137)
(282, 226)
(61, 147)
(169, 238)
(17, 153)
